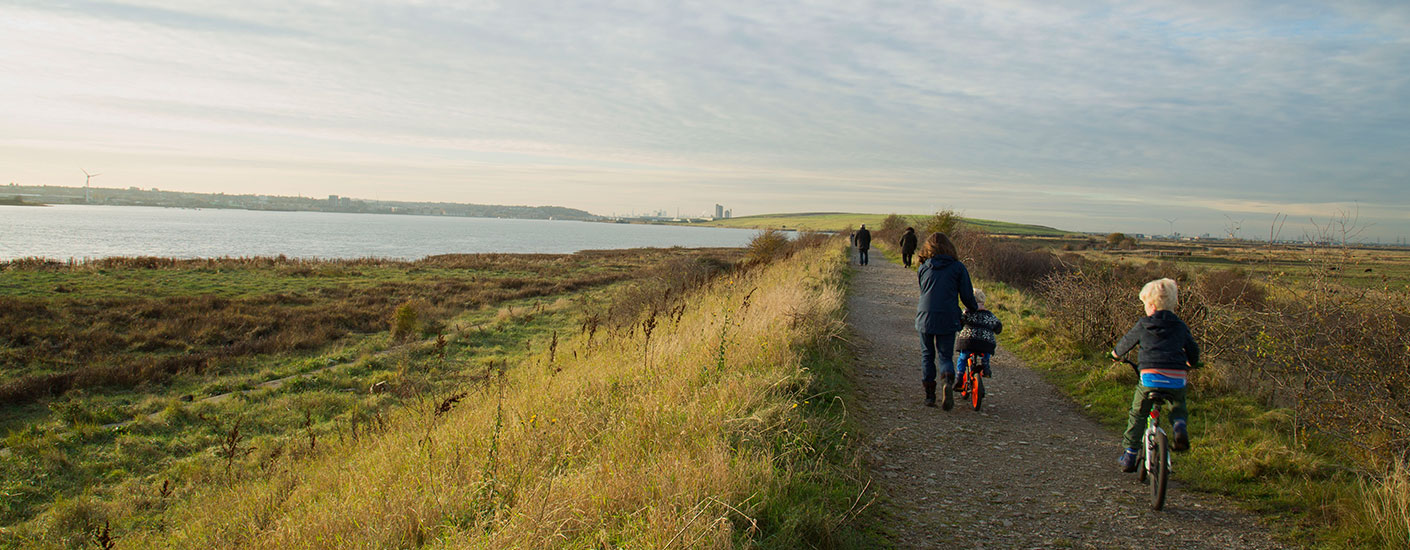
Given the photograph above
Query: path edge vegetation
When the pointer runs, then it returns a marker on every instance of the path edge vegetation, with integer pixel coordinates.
(718, 418)
(1304, 485)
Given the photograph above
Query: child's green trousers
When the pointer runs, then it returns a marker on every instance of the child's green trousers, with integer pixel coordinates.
(1141, 409)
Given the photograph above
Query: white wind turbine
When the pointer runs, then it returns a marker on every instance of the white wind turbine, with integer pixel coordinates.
(87, 178)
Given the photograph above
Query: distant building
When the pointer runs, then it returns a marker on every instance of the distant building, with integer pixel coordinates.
(719, 211)
(729, 214)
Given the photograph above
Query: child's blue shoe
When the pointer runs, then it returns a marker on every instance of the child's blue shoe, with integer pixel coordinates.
(1128, 461)
(1182, 437)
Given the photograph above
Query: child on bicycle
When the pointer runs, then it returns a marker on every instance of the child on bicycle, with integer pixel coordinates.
(1168, 351)
(977, 337)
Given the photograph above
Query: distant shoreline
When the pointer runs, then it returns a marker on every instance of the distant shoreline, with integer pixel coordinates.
(20, 202)
(133, 196)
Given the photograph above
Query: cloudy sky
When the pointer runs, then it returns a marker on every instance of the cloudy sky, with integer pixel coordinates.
(1082, 115)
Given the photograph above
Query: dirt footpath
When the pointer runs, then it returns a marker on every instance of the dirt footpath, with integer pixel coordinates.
(1027, 471)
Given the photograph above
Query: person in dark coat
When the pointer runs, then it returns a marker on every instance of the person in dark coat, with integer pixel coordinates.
(944, 283)
(908, 245)
(863, 244)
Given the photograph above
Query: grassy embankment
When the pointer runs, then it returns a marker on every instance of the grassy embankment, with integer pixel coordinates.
(120, 436)
(712, 418)
(838, 221)
(1268, 450)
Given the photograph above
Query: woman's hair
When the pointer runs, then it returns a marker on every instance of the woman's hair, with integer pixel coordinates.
(979, 296)
(1162, 293)
(937, 244)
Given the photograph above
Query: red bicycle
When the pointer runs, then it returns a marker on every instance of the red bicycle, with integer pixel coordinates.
(972, 383)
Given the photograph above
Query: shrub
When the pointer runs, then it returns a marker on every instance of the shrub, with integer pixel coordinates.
(893, 223)
(1006, 261)
(1232, 287)
(945, 221)
(767, 246)
(405, 321)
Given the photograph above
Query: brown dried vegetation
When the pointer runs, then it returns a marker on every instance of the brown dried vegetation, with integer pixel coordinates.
(50, 344)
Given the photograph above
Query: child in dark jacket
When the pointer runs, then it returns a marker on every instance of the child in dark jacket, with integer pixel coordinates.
(977, 337)
(1168, 351)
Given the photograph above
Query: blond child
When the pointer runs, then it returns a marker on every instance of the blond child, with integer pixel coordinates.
(1168, 351)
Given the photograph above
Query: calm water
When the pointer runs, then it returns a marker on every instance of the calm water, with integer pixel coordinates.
(63, 232)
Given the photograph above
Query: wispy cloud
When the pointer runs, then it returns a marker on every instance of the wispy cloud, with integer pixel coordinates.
(1079, 114)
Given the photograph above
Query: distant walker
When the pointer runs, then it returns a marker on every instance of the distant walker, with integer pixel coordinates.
(863, 244)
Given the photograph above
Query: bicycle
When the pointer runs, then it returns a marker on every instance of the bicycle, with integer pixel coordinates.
(972, 382)
(1154, 462)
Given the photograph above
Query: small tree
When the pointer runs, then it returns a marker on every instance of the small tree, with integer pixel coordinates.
(405, 321)
(893, 224)
(945, 221)
(1115, 239)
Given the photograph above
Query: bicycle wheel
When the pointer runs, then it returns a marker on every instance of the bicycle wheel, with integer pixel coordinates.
(1160, 472)
(976, 392)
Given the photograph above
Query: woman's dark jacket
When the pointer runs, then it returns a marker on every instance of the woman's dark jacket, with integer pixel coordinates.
(944, 282)
(1165, 342)
(978, 334)
(908, 242)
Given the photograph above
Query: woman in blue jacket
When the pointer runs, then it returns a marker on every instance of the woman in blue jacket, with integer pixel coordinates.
(944, 282)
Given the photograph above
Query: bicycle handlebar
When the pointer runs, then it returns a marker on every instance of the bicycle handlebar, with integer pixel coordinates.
(1133, 364)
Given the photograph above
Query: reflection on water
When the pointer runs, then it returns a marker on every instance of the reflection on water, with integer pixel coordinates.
(80, 231)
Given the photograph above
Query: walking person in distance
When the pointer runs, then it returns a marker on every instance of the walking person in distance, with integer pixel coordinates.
(863, 244)
(944, 282)
(908, 245)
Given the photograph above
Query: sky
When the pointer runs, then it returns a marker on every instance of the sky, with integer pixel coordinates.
(1143, 117)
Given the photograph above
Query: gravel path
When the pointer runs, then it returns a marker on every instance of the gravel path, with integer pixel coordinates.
(1026, 471)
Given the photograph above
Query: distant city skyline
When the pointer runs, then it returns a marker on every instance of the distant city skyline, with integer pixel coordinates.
(1084, 116)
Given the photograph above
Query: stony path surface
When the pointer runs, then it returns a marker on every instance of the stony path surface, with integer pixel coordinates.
(1026, 471)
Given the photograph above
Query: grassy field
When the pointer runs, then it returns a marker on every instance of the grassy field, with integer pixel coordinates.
(125, 447)
(690, 403)
(838, 221)
(710, 414)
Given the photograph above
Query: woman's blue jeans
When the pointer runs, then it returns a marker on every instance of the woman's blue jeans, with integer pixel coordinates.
(930, 346)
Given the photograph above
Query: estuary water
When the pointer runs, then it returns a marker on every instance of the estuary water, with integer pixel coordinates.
(84, 231)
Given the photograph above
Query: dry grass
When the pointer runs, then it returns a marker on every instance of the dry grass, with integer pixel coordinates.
(69, 328)
(686, 443)
(1388, 505)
